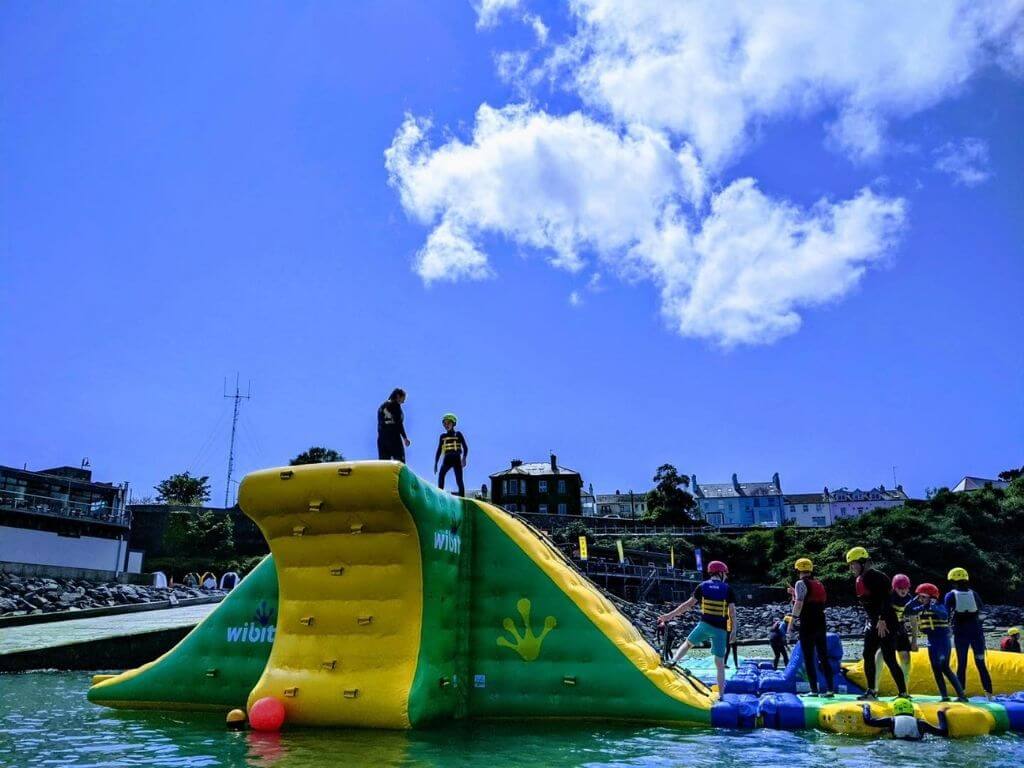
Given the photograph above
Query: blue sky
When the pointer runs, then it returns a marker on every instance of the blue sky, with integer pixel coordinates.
(792, 269)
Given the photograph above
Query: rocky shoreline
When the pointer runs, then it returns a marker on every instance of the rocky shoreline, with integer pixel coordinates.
(21, 595)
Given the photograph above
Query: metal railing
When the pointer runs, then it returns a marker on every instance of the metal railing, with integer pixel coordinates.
(73, 510)
(643, 572)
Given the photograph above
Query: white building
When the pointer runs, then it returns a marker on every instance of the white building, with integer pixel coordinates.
(844, 503)
(629, 505)
(807, 510)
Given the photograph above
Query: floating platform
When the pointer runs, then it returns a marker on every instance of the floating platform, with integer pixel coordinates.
(387, 603)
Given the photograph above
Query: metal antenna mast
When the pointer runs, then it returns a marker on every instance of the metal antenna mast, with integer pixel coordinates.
(238, 397)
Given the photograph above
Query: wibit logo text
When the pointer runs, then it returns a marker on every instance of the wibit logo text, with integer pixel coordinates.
(260, 630)
(447, 542)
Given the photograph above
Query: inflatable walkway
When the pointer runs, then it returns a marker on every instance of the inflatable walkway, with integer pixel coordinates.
(390, 604)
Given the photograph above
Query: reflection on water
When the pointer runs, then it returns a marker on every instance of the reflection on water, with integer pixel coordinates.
(45, 720)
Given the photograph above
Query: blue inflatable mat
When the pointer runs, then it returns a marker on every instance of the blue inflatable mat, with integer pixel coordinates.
(776, 682)
(1014, 706)
(742, 682)
(735, 711)
(782, 711)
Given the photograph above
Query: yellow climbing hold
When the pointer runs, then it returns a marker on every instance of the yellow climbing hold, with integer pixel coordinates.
(528, 644)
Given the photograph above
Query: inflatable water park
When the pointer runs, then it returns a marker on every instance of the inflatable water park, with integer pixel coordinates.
(388, 603)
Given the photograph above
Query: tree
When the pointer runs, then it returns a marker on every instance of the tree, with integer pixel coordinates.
(184, 489)
(670, 502)
(1011, 474)
(317, 455)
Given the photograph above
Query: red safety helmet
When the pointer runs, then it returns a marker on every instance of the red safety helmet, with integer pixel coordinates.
(928, 589)
(717, 566)
(901, 581)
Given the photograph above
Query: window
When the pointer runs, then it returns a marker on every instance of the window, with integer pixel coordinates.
(543, 509)
(542, 486)
(805, 510)
(818, 520)
(561, 507)
(561, 486)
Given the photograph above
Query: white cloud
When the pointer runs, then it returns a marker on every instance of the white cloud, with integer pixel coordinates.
(755, 261)
(734, 267)
(449, 254)
(540, 29)
(966, 161)
(489, 11)
(635, 184)
(709, 72)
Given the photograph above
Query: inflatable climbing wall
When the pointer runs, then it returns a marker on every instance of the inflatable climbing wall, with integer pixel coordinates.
(388, 603)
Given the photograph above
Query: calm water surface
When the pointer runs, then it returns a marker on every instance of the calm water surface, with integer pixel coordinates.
(46, 721)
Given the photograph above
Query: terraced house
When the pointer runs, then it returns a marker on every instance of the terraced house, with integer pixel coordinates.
(739, 504)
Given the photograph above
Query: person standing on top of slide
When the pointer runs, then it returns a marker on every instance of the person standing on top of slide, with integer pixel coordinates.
(391, 437)
(874, 592)
(453, 445)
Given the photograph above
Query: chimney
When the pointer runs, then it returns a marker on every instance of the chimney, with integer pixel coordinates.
(517, 463)
(736, 484)
(554, 463)
(778, 483)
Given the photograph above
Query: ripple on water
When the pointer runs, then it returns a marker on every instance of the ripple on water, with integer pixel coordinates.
(46, 721)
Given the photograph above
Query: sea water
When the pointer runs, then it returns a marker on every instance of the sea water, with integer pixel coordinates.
(45, 720)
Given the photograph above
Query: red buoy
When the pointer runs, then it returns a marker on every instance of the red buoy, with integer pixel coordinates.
(266, 714)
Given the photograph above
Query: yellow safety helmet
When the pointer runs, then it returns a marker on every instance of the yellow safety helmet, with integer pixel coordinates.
(958, 574)
(804, 564)
(857, 553)
(1013, 631)
(789, 617)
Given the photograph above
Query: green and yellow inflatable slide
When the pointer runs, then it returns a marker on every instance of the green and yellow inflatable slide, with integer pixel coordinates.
(388, 603)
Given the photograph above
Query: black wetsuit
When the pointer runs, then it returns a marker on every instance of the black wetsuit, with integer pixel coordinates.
(777, 638)
(453, 446)
(906, 731)
(875, 594)
(813, 632)
(391, 431)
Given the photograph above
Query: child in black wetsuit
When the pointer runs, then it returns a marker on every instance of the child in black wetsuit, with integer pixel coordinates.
(453, 446)
(904, 724)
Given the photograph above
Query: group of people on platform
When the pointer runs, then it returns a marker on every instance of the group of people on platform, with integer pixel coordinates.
(895, 618)
(452, 449)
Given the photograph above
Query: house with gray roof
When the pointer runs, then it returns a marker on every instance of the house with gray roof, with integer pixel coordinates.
(740, 504)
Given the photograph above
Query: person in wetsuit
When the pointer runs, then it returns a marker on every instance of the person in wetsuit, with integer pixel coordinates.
(904, 725)
(873, 591)
(809, 608)
(1011, 643)
(964, 606)
(933, 619)
(778, 638)
(391, 438)
(906, 638)
(453, 447)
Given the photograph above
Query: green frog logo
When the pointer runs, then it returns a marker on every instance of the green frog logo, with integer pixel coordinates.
(528, 644)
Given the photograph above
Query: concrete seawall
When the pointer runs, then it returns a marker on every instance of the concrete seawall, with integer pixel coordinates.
(117, 653)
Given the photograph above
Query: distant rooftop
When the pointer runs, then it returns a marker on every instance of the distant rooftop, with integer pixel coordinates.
(970, 483)
(804, 498)
(535, 468)
(735, 489)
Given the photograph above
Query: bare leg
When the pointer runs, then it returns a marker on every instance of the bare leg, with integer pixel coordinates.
(720, 669)
(681, 651)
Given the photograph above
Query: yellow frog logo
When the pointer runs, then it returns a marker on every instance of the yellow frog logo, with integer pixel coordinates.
(526, 645)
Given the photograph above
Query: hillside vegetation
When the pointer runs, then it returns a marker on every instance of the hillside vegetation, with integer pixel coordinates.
(982, 531)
